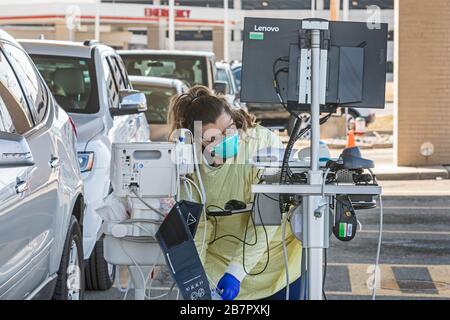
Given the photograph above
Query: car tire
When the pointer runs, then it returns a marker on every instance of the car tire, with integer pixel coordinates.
(99, 275)
(71, 268)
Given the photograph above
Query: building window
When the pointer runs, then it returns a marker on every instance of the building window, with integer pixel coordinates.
(276, 4)
(200, 3)
(363, 4)
(129, 1)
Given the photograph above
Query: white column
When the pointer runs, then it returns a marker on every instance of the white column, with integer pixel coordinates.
(345, 10)
(226, 36)
(162, 25)
(97, 21)
(313, 8)
(171, 24)
(315, 223)
(320, 4)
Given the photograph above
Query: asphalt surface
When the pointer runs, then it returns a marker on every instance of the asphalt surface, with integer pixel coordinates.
(415, 256)
(415, 259)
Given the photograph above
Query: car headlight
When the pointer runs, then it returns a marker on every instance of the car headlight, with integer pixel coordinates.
(86, 161)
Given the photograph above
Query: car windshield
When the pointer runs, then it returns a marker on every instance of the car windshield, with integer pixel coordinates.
(158, 100)
(70, 80)
(189, 69)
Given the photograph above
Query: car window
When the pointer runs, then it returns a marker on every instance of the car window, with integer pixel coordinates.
(189, 69)
(158, 101)
(30, 80)
(71, 80)
(221, 75)
(13, 98)
(119, 80)
(123, 71)
(111, 86)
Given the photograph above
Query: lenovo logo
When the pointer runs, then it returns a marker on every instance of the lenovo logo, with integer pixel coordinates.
(266, 29)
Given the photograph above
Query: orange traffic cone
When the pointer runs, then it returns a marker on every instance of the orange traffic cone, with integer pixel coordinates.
(351, 139)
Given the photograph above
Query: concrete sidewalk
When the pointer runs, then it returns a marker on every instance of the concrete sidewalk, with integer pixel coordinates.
(386, 170)
(391, 172)
(416, 188)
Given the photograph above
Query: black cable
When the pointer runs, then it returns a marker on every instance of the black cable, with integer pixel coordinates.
(170, 291)
(278, 92)
(277, 84)
(285, 169)
(303, 132)
(269, 197)
(284, 59)
(308, 127)
(231, 235)
(267, 244)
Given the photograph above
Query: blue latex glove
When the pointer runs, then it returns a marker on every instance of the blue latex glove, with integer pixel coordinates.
(229, 287)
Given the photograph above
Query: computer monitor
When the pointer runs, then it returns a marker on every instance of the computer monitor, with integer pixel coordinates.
(356, 72)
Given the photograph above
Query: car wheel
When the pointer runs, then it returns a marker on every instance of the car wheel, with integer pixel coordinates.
(99, 273)
(70, 281)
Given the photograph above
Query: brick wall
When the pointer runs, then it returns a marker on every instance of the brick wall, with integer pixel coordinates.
(422, 66)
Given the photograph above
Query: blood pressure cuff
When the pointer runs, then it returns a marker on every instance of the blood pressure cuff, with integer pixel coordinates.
(191, 212)
(177, 244)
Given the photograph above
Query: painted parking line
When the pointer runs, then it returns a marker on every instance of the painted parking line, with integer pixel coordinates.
(417, 208)
(439, 233)
(415, 281)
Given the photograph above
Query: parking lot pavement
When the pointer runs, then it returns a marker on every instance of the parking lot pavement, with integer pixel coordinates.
(415, 259)
(415, 263)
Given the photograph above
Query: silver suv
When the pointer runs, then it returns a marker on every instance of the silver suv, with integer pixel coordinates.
(41, 191)
(90, 82)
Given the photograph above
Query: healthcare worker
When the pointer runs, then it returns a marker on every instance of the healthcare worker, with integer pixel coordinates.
(229, 138)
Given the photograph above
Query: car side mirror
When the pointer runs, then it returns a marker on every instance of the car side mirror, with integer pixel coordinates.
(14, 151)
(221, 87)
(131, 102)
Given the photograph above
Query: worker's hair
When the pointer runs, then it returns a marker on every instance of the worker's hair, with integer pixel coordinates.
(202, 104)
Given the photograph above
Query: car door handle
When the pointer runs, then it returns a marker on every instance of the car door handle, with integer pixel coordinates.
(54, 162)
(131, 122)
(21, 186)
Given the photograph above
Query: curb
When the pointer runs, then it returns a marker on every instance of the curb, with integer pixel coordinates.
(417, 200)
(416, 173)
(362, 146)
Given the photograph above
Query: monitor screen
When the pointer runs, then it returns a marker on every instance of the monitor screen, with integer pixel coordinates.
(356, 72)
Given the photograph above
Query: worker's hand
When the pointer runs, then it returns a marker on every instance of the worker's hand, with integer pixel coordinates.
(229, 287)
